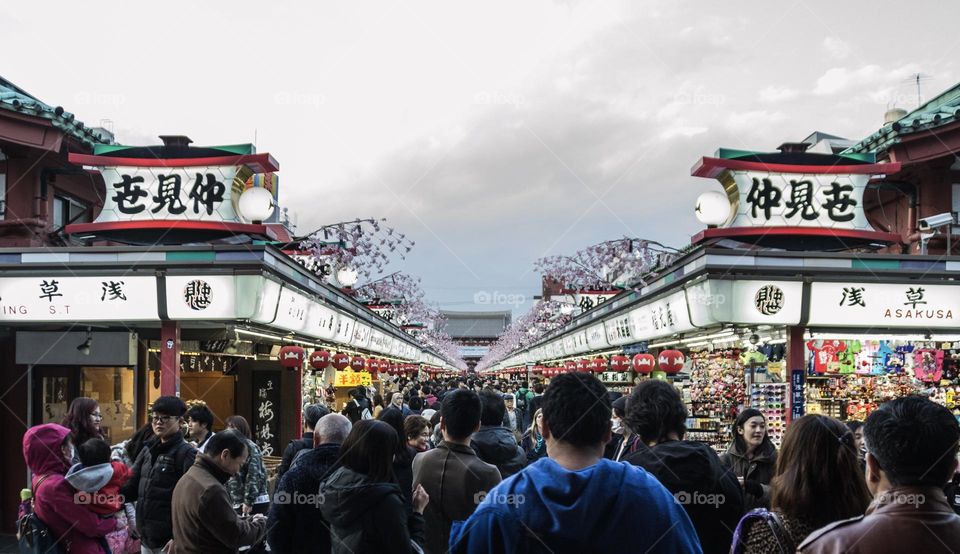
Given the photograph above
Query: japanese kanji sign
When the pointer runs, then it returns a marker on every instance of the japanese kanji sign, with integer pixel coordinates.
(266, 411)
(885, 305)
(800, 200)
(352, 379)
(169, 193)
(128, 298)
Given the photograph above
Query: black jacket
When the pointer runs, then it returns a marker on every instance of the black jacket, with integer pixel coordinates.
(367, 517)
(403, 471)
(155, 473)
(497, 446)
(354, 408)
(534, 450)
(633, 444)
(707, 489)
(759, 470)
(295, 522)
(290, 452)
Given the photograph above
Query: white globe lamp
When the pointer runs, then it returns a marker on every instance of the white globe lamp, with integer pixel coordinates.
(256, 204)
(347, 276)
(713, 208)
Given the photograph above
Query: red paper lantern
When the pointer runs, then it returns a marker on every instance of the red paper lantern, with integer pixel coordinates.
(370, 364)
(569, 366)
(582, 365)
(357, 363)
(671, 361)
(619, 363)
(598, 365)
(320, 359)
(340, 361)
(644, 363)
(291, 357)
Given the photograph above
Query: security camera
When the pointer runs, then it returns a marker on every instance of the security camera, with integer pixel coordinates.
(936, 221)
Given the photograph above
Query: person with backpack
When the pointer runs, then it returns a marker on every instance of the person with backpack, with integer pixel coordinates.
(358, 408)
(57, 519)
(311, 415)
(158, 467)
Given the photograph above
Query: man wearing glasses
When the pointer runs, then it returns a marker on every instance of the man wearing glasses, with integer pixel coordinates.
(158, 467)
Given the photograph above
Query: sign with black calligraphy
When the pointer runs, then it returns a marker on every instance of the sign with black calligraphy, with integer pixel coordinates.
(266, 411)
(800, 200)
(797, 406)
(169, 193)
(884, 305)
(118, 298)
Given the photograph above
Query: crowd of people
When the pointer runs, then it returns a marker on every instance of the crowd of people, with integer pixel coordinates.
(482, 466)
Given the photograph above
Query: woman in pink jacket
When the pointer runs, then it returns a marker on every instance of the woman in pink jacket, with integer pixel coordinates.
(47, 450)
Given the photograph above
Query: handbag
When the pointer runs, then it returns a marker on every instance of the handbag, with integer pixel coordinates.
(33, 535)
(762, 516)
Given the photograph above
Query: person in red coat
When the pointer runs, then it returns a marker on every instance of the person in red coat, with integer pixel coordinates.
(47, 451)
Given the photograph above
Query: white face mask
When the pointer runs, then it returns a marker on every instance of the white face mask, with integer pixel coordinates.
(616, 425)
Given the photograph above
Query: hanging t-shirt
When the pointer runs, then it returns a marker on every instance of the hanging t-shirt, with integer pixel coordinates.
(898, 361)
(928, 365)
(847, 359)
(865, 357)
(825, 355)
(881, 358)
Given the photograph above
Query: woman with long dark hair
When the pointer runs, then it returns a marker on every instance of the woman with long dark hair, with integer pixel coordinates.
(818, 481)
(248, 488)
(362, 501)
(83, 419)
(752, 457)
(403, 457)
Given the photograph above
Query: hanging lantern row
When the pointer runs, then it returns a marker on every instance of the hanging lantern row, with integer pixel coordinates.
(669, 362)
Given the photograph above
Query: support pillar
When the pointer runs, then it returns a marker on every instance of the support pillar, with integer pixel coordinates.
(170, 358)
(796, 349)
(795, 360)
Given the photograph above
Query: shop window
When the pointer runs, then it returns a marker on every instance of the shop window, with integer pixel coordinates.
(112, 388)
(67, 210)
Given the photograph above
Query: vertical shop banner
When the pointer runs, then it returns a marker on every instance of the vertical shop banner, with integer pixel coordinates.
(796, 394)
(266, 411)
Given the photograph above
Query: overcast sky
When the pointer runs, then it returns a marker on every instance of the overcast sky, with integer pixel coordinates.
(493, 133)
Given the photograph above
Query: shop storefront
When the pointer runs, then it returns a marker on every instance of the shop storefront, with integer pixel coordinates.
(783, 304)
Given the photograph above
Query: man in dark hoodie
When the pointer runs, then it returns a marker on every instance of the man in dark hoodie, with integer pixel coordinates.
(692, 471)
(494, 443)
(311, 415)
(156, 471)
(295, 522)
(575, 500)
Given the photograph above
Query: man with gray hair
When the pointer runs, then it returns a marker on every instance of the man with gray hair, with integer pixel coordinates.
(295, 512)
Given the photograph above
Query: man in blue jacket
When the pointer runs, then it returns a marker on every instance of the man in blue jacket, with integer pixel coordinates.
(575, 500)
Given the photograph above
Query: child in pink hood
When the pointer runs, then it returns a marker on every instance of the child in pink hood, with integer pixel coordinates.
(47, 451)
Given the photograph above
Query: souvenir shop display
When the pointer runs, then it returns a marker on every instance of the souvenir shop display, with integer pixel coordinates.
(771, 400)
(715, 392)
(849, 378)
(847, 397)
